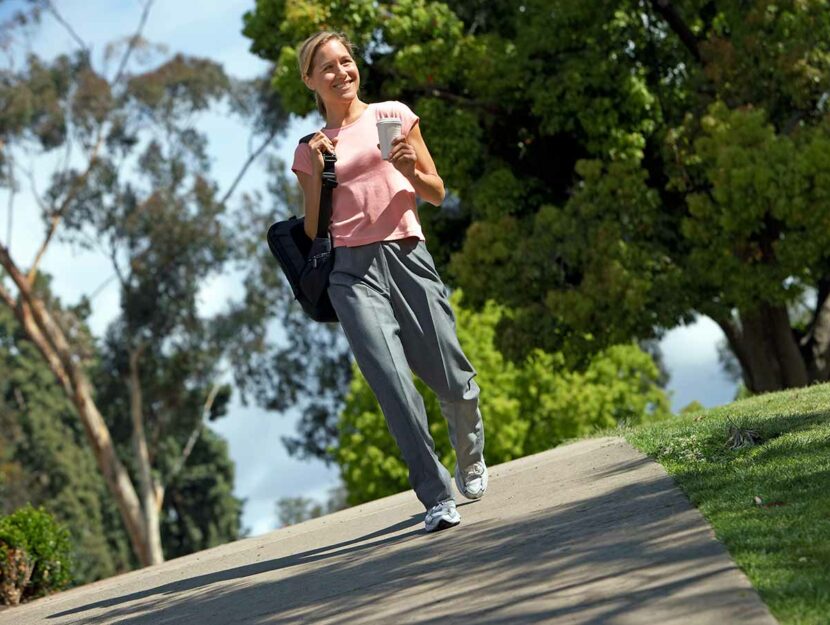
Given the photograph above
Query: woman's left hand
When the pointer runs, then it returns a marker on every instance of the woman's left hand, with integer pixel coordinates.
(403, 156)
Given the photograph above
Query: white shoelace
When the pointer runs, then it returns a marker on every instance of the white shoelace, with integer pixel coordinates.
(440, 509)
(476, 470)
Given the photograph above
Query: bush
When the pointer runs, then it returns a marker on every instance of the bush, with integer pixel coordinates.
(34, 555)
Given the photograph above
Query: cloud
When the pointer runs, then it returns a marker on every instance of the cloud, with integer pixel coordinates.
(264, 471)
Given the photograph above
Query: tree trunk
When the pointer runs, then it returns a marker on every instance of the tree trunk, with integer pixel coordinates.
(766, 348)
(152, 543)
(51, 342)
(815, 345)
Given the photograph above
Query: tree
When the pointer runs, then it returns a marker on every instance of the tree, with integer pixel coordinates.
(47, 461)
(529, 406)
(167, 229)
(293, 510)
(616, 167)
(49, 464)
(306, 365)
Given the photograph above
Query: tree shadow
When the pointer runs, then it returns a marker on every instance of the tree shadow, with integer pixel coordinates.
(637, 547)
(312, 555)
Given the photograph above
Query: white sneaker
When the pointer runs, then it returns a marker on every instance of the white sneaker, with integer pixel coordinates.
(441, 516)
(474, 482)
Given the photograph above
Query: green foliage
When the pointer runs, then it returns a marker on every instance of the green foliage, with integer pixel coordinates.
(693, 407)
(46, 460)
(182, 85)
(200, 509)
(34, 555)
(49, 462)
(527, 407)
(146, 201)
(276, 28)
(756, 202)
(614, 168)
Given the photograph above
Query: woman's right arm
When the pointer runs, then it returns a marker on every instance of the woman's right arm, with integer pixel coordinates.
(312, 183)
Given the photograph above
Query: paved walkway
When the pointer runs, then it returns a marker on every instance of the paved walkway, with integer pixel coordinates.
(592, 532)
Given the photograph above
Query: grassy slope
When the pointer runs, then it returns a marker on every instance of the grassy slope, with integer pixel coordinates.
(783, 543)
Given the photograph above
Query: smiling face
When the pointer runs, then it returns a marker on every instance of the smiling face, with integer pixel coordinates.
(333, 74)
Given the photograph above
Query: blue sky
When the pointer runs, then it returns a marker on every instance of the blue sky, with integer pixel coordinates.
(212, 28)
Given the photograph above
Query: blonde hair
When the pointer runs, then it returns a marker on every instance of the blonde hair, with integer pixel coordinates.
(307, 50)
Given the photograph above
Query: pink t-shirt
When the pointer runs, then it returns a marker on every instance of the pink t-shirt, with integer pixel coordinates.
(373, 201)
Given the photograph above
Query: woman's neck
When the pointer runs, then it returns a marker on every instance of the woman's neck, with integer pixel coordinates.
(342, 113)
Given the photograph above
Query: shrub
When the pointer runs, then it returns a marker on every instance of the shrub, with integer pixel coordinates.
(34, 555)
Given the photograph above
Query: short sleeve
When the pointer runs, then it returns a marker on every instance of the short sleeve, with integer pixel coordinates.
(302, 159)
(408, 117)
(394, 108)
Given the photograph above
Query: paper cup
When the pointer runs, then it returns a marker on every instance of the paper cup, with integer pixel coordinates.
(388, 129)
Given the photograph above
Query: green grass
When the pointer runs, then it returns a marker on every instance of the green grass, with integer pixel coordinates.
(783, 543)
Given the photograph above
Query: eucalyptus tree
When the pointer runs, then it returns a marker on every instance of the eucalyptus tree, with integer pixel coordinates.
(132, 181)
(616, 167)
(45, 461)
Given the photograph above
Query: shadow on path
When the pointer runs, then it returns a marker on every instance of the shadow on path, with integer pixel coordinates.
(596, 559)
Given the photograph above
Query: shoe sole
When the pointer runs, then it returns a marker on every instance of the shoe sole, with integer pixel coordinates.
(459, 484)
(443, 524)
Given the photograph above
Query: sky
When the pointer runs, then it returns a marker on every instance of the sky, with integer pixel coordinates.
(264, 471)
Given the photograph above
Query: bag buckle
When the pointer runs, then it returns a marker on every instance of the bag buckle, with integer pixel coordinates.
(329, 179)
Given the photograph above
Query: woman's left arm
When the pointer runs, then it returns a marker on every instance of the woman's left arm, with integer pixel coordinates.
(411, 157)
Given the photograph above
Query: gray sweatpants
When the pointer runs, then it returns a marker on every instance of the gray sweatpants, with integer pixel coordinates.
(394, 311)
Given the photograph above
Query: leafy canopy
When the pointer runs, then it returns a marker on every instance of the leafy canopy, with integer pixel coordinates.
(615, 167)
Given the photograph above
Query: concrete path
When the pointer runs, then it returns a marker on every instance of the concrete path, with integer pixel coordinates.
(592, 532)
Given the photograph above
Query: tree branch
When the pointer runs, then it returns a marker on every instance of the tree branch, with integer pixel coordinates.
(43, 323)
(679, 26)
(245, 167)
(101, 287)
(149, 486)
(51, 8)
(7, 298)
(10, 207)
(449, 96)
(50, 340)
(113, 254)
(33, 186)
(57, 216)
(23, 311)
(194, 435)
(133, 41)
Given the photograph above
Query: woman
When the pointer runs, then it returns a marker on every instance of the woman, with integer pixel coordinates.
(384, 287)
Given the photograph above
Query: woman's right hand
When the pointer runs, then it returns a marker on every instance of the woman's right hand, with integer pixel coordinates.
(319, 144)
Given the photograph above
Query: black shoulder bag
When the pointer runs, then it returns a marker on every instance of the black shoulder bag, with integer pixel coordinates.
(307, 264)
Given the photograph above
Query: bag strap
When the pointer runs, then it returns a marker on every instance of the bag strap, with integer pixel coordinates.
(329, 184)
